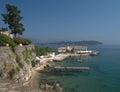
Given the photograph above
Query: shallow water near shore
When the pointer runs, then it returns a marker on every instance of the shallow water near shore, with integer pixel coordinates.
(103, 76)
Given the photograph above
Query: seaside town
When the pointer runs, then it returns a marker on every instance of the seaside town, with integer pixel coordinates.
(59, 46)
(65, 52)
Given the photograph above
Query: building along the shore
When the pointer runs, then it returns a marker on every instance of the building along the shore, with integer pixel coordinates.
(80, 49)
(62, 49)
(74, 49)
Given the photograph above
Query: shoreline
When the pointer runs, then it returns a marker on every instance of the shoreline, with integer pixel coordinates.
(45, 62)
(29, 85)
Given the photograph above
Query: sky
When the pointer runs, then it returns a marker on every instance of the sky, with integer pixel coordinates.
(73, 20)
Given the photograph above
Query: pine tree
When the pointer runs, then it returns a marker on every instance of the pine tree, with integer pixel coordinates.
(13, 18)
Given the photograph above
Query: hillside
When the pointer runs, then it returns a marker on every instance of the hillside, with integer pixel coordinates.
(78, 43)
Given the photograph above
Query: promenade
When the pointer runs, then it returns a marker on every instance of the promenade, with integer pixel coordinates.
(45, 61)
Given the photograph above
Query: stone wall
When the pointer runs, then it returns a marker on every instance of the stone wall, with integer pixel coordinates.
(16, 63)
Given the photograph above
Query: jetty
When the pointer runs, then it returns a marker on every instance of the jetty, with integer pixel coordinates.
(62, 68)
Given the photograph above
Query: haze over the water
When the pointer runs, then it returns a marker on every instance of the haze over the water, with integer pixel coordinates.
(58, 20)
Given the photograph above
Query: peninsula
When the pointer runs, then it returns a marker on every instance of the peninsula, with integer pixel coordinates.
(84, 42)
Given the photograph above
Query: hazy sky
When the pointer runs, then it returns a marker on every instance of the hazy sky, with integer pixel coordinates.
(57, 20)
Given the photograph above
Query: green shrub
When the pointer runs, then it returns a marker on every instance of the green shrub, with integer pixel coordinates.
(5, 66)
(18, 61)
(17, 69)
(28, 62)
(37, 51)
(33, 63)
(43, 51)
(17, 58)
(21, 65)
(18, 40)
(27, 41)
(4, 39)
(24, 41)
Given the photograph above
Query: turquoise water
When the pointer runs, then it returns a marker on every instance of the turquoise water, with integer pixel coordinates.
(103, 76)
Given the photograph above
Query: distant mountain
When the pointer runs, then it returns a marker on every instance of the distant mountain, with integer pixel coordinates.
(78, 43)
(89, 42)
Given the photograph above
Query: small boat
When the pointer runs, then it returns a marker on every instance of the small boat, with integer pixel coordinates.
(79, 60)
(94, 53)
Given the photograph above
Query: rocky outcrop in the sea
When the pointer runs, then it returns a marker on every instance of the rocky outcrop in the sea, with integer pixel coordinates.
(50, 85)
(16, 63)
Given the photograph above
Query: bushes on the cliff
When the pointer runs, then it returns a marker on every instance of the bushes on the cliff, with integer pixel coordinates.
(28, 62)
(33, 63)
(4, 39)
(18, 61)
(24, 41)
(17, 69)
(43, 51)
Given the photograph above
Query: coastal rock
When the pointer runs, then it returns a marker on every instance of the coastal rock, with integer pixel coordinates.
(7, 61)
(16, 63)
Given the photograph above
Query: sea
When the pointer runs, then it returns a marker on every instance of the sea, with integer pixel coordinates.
(103, 76)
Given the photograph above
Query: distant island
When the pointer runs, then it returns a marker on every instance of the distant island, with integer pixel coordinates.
(78, 42)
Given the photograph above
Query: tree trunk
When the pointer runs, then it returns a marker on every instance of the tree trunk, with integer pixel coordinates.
(15, 35)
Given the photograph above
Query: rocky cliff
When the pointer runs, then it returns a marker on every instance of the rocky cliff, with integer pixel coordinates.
(17, 63)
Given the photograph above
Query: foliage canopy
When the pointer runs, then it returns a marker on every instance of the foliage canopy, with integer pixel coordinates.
(13, 18)
(43, 51)
(4, 39)
(24, 41)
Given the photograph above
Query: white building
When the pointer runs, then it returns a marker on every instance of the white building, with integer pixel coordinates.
(62, 49)
(5, 32)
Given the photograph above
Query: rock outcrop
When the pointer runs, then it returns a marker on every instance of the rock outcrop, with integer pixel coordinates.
(17, 63)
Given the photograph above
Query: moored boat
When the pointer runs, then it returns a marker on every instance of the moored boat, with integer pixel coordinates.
(94, 53)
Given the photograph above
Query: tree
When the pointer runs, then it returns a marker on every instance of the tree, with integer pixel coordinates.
(13, 18)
